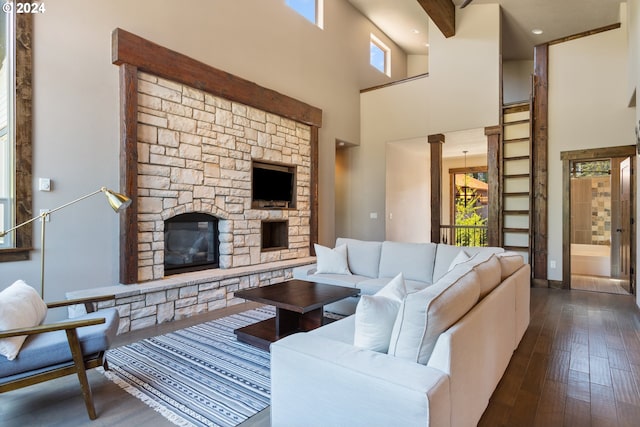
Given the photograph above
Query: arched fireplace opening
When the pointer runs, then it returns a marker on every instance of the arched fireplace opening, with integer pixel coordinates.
(190, 243)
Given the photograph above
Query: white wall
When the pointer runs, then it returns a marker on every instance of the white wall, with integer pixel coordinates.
(516, 80)
(461, 92)
(76, 101)
(417, 64)
(408, 201)
(588, 108)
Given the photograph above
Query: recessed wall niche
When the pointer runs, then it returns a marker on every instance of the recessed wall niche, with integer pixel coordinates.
(275, 235)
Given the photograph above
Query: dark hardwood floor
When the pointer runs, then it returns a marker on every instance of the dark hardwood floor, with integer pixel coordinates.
(577, 365)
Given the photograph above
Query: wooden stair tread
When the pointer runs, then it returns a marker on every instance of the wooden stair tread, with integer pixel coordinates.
(516, 158)
(515, 212)
(516, 248)
(517, 175)
(516, 122)
(507, 141)
(515, 230)
(517, 193)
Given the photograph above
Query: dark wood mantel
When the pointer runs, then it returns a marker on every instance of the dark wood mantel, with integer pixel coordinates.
(133, 53)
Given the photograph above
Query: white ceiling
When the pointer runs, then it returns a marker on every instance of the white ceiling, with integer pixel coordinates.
(557, 18)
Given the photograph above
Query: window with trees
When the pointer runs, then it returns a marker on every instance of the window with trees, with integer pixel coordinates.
(469, 206)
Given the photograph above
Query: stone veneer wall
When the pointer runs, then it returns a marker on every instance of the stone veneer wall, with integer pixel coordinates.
(194, 155)
(180, 296)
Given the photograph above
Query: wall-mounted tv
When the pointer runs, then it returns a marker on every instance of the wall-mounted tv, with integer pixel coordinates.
(273, 185)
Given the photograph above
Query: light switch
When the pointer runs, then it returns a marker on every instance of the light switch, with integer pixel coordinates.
(44, 184)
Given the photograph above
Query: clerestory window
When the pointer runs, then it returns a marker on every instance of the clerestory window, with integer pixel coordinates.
(380, 55)
(312, 10)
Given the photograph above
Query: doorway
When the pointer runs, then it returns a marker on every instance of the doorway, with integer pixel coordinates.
(599, 211)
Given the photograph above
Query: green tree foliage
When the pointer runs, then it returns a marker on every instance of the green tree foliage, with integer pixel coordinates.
(467, 215)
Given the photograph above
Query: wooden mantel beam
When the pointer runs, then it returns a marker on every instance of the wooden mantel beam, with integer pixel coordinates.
(442, 13)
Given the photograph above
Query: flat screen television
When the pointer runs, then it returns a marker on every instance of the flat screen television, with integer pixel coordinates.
(273, 186)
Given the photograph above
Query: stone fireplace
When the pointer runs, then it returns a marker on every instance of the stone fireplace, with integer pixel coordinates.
(192, 137)
(195, 156)
(191, 243)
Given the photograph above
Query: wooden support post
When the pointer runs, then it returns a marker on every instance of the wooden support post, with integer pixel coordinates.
(494, 223)
(436, 142)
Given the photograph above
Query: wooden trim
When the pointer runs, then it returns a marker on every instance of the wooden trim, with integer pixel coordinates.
(313, 220)
(585, 34)
(396, 82)
(160, 61)
(494, 227)
(435, 144)
(442, 13)
(566, 220)
(134, 54)
(599, 153)
(540, 138)
(129, 172)
(469, 169)
(568, 157)
(23, 243)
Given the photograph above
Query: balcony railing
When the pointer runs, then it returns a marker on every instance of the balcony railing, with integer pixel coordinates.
(464, 235)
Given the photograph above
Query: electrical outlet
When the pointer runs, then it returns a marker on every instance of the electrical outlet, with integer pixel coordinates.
(46, 218)
(373, 215)
(552, 264)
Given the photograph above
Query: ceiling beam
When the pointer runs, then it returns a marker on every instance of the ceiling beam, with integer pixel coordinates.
(442, 13)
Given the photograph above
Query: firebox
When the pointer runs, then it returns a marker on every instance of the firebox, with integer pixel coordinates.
(190, 243)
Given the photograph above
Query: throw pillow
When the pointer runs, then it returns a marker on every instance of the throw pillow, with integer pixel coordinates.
(20, 307)
(332, 261)
(376, 314)
(509, 263)
(425, 314)
(459, 259)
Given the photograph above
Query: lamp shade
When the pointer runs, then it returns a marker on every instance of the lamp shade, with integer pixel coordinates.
(118, 201)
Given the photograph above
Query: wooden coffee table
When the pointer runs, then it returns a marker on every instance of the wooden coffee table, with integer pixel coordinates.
(299, 307)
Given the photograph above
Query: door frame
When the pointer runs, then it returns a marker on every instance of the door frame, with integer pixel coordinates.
(593, 154)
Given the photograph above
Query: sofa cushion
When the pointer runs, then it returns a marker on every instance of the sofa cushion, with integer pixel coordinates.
(413, 260)
(425, 314)
(333, 261)
(51, 348)
(509, 263)
(349, 280)
(487, 266)
(20, 307)
(459, 259)
(376, 314)
(363, 257)
(445, 254)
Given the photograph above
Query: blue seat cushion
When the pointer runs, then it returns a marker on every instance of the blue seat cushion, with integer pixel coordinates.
(43, 351)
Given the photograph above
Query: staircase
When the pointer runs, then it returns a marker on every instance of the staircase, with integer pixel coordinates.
(515, 175)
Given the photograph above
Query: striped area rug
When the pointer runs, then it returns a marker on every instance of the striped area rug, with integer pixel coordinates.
(197, 376)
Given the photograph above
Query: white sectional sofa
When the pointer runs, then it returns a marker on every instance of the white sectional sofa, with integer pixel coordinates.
(373, 264)
(451, 340)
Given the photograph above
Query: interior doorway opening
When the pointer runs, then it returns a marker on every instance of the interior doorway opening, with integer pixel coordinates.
(597, 244)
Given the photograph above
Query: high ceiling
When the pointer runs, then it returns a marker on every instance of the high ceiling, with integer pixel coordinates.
(406, 23)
